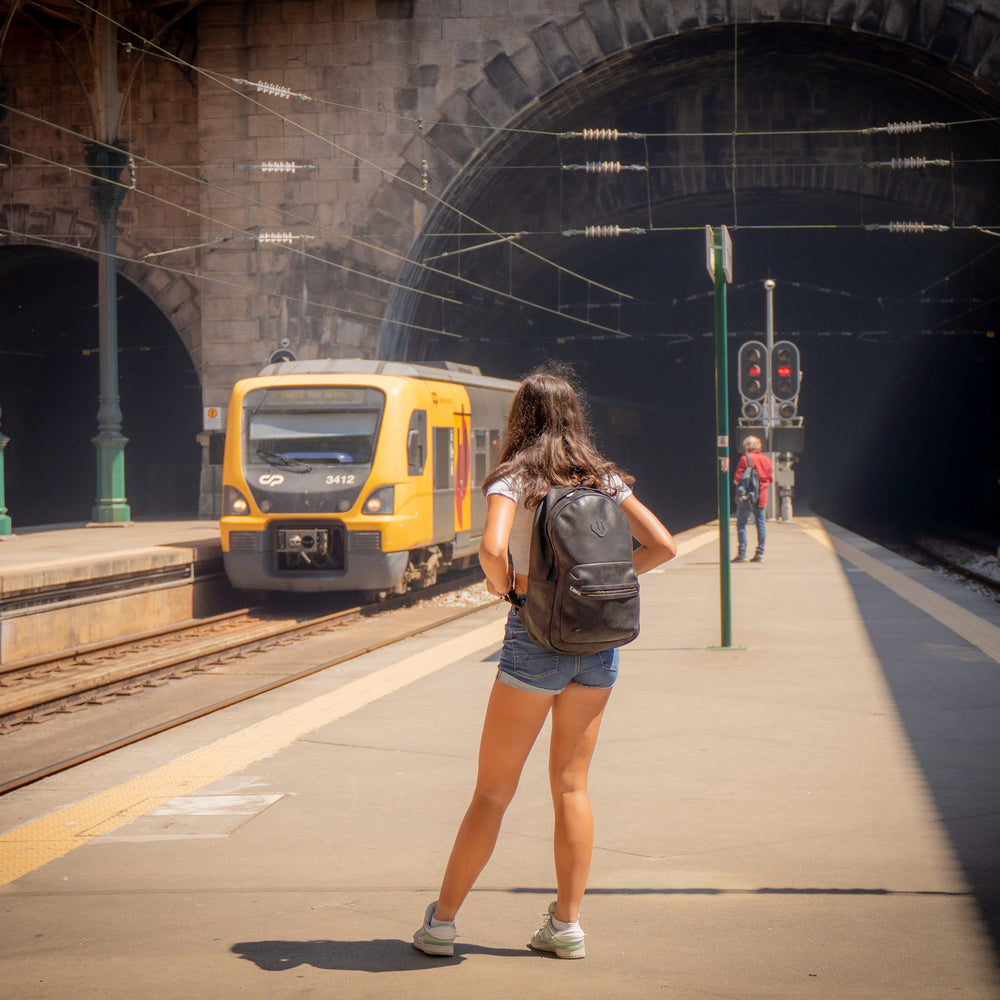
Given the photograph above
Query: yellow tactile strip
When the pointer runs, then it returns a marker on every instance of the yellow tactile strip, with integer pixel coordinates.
(35, 844)
(963, 623)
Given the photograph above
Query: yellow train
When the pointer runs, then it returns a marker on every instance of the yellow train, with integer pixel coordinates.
(357, 475)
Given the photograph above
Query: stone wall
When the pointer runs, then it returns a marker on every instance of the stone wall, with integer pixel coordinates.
(398, 99)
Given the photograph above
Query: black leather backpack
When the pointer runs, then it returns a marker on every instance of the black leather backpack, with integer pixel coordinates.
(583, 592)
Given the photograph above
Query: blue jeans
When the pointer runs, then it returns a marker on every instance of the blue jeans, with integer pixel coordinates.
(760, 517)
(528, 667)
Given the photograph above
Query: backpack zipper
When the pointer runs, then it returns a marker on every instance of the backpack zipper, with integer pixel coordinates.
(627, 590)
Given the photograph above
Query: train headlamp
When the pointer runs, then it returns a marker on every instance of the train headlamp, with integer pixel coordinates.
(380, 501)
(234, 503)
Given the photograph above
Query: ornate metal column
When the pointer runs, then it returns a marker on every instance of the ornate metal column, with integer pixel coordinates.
(107, 163)
(5, 525)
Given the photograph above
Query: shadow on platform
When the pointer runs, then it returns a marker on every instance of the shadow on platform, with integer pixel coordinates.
(947, 694)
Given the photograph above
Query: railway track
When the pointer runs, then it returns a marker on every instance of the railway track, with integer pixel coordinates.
(33, 688)
(51, 688)
(972, 557)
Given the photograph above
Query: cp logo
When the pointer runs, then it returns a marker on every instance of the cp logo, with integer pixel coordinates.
(271, 479)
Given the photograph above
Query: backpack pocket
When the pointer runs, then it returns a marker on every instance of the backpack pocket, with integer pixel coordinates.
(601, 605)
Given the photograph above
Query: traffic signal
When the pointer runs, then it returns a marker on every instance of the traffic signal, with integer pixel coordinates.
(753, 378)
(785, 378)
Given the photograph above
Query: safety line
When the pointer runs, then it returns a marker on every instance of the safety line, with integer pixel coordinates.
(966, 624)
(29, 847)
(688, 545)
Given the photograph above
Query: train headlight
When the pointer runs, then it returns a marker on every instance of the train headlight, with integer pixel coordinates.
(234, 503)
(380, 501)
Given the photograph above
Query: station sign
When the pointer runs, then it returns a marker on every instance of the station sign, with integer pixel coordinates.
(213, 418)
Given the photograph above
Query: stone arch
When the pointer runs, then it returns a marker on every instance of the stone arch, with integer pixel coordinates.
(50, 373)
(963, 38)
(175, 296)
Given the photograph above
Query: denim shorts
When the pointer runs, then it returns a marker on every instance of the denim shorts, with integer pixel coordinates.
(529, 667)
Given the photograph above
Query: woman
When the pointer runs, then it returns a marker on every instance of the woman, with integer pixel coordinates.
(546, 443)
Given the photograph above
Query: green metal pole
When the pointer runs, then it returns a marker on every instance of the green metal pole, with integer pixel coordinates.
(5, 525)
(110, 507)
(722, 442)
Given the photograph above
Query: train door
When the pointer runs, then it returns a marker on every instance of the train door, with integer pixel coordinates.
(485, 456)
(443, 466)
(463, 478)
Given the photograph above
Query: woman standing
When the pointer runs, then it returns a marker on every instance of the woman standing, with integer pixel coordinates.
(546, 443)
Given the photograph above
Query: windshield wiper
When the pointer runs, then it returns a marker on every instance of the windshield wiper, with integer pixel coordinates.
(292, 464)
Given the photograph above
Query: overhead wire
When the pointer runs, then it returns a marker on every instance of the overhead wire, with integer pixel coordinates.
(366, 275)
(218, 78)
(73, 245)
(505, 237)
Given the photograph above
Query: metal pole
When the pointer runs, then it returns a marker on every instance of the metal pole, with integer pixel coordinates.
(5, 523)
(110, 507)
(770, 408)
(722, 442)
(107, 159)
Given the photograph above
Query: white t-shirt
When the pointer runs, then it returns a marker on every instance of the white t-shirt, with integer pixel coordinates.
(519, 543)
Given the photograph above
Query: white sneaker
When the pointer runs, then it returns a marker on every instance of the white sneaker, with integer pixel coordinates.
(565, 944)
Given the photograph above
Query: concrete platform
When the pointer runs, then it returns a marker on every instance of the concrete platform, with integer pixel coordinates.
(66, 586)
(815, 814)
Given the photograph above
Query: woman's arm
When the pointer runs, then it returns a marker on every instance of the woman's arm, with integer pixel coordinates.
(656, 544)
(493, 547)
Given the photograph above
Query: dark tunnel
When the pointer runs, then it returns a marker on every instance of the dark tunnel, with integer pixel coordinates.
(896, 331)
(49, 380)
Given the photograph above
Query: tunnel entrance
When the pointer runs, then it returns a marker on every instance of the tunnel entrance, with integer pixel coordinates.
(49, 381)
(895, 331)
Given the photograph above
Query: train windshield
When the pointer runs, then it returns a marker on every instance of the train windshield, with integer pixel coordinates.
(307, 425)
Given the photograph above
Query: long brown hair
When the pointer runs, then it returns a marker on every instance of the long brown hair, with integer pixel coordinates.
(548, 442)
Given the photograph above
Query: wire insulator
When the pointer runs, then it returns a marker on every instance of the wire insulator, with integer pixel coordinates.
(279, 167)
(909, 228)
(603, 166)
(909, 163)
(605, 231)
(597, 134)
(901, 128)
(274, 238)
(273, 89)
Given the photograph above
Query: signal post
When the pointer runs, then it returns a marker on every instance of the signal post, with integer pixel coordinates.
(769, 381)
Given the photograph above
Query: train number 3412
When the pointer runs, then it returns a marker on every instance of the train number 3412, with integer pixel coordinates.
(346, 479)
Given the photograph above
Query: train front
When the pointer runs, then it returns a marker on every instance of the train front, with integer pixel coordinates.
(301, 508)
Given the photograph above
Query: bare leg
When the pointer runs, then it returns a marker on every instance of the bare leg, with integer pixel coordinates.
(576, 719)
(513, 721)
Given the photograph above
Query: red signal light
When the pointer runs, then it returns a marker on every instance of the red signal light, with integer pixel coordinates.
(784, 371)
(754, 371)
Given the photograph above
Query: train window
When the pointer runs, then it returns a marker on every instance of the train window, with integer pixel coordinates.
(312, 424)
(416, 443)
(494, 449)
(480, 456)
(444, 458)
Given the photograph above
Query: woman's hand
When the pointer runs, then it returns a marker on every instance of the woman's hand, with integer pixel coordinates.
(492, 588)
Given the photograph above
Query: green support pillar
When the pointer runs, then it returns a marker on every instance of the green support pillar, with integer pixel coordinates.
(107, 163)
(719, 263)
(5, 526)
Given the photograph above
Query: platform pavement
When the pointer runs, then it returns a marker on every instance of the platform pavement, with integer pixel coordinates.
(57, 544)
(67, 585)
(814, 815)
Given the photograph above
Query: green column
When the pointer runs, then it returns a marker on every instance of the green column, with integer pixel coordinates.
(5, 525)
(719, 261)
(110, 506)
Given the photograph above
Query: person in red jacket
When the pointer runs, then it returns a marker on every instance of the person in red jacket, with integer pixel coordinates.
(751, 449)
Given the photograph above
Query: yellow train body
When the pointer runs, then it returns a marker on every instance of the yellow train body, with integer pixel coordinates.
(357, 475)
